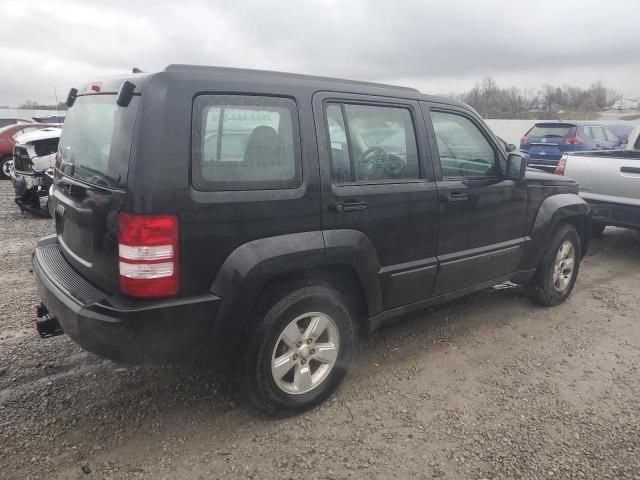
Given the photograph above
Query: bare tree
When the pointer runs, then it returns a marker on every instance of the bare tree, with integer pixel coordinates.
(589, 104)
(488, 92)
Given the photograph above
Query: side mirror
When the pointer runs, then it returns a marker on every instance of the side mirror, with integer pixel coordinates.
(511, 148)
(516, 167)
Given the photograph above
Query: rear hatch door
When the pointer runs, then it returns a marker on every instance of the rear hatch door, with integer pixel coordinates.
(546, 141)
(90, 184)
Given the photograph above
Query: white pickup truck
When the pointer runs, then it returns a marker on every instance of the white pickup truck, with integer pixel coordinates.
(609, 181)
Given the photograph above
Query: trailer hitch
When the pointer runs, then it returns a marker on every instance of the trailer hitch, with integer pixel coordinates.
(46, 324)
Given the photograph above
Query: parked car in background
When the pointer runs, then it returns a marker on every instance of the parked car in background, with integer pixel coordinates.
(622, 130)
(8, 136)
(11, 121)
(546, 142)
(51, 119)
(320, 209)
(609, 181)
(33, 159)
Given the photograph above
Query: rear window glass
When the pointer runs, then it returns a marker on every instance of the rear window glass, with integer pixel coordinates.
(96, 140)
(245, 143)
(550, 130)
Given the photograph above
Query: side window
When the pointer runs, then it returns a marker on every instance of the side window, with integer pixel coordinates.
(611, 137)
(371, 143)
(598, 133)
(464, 151)
(245, 143)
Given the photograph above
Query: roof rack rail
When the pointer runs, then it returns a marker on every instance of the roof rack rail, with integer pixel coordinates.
(204, 68)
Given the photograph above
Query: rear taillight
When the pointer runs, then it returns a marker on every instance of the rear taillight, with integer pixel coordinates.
(561, 166)
(148, 250)
(524, 139)
(573, 140)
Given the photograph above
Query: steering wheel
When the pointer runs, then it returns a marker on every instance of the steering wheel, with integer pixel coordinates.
(373, 162)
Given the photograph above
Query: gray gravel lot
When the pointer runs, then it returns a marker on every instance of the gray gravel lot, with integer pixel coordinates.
(488, 387)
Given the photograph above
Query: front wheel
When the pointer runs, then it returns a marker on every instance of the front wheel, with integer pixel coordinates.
(5, 168)
(300, 350)
(557, 272)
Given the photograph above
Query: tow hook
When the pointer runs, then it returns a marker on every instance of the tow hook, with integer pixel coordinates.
(46, 324)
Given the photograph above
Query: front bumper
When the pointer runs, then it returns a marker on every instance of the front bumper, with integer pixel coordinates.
(22, 182)
(29, 189)
(119, 328)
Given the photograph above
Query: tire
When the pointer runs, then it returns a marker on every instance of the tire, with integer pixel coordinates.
(3, 165)
(597, 229)
(299, 380)
(550, 287)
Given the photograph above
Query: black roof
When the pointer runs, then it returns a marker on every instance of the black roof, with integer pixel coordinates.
(282, 75)
(266, 77)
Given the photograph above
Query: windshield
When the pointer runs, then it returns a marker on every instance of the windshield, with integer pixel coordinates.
(96, 140)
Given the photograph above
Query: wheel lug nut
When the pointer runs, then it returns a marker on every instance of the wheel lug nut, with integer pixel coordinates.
(295, 356)
(312, 351)
(303, 361)
(309, 341)
(299, 344)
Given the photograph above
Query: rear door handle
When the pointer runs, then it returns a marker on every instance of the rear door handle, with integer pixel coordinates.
(347, 206)
(631, 170)
(456, 197)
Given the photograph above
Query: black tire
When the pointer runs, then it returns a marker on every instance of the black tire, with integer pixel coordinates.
(597, 229)
(255, 376)
(543, 288)
(4, 160)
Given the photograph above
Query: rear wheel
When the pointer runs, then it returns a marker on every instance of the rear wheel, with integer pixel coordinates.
(5, 166)
(558, 269)
(299, 351)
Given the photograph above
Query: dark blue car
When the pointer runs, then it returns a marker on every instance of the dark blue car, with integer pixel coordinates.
(545, 143)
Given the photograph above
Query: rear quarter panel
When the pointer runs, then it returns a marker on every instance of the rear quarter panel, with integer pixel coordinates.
(214, 224)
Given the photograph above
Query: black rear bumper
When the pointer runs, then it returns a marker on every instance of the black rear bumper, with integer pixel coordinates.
(116, 327)
(615, 214)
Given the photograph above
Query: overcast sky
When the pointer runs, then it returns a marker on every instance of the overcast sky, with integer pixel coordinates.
(437, 46)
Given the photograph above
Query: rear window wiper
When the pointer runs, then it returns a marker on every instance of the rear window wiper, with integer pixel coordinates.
(94, 176)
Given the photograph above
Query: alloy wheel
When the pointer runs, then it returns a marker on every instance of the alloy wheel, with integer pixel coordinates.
(305, 353)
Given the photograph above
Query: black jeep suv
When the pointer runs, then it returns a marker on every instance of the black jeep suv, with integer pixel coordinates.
(263, 221)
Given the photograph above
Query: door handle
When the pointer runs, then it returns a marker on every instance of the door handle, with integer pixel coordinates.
(631, 170)
(456, 197)
(347, 206)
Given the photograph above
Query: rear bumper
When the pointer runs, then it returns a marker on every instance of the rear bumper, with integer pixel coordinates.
(615, 214)
(119, 328)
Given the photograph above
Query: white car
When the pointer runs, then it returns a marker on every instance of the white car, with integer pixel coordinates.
(33, 155)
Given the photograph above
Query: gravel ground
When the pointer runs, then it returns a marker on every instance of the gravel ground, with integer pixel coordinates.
(488, 387)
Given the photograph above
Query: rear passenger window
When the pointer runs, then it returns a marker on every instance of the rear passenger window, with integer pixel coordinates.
(611, 137)
(598, 134)
(464, 151)
(245, 143)
(371, 143)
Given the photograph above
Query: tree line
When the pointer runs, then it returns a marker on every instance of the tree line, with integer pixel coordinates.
(31, 105)
(492, 101)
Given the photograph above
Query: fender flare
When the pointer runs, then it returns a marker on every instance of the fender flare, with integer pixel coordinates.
(354, 248)
(250, 266)
(552, 211)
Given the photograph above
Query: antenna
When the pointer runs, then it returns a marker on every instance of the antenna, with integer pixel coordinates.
(55, 94)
